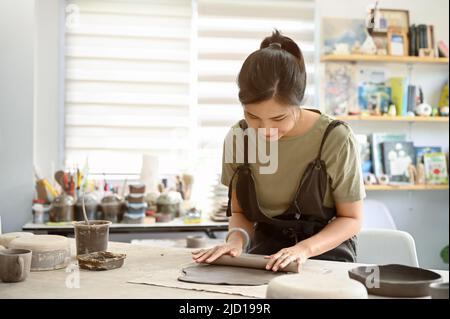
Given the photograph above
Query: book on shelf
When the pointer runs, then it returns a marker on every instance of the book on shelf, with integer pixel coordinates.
(413, 41)
(421, 37)
(422, 150)
(442, 49)
(340, 88)
(373, 94)
(374, 98)
(364, 152)
(435, 168)
(399, 92)
(376, 140)
(397, 157)
(423, 41)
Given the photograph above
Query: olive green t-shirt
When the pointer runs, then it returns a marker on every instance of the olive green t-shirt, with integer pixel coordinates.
(276, 191)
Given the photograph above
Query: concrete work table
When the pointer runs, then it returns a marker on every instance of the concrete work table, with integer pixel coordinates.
(141, 260)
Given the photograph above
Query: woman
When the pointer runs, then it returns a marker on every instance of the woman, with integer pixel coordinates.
(311, 206)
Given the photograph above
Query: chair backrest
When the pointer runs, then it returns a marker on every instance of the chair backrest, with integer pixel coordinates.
(386, 246)
(377, 216)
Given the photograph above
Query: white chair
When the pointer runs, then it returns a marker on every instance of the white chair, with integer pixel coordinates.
(386, 246)
(377, 215)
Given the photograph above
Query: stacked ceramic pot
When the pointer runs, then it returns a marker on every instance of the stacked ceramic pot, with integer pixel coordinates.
(219, 203)
(136, 205)
(62, 209)
(111, 208)
(90, 204)
(168, 206)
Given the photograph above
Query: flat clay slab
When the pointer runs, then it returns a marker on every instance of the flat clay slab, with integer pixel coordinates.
(226, 275)
(395, 280)
(102, 260)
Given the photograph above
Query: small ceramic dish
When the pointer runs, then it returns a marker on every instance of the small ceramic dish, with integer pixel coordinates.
(101, 260)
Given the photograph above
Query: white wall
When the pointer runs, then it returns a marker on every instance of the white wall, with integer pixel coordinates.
(424, 214)
(49, 80)
(16, 112)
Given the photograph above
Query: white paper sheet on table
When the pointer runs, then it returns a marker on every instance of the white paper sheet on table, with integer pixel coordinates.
(169, 278)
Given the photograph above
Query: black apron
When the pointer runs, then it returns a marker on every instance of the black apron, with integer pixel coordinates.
(305, 217)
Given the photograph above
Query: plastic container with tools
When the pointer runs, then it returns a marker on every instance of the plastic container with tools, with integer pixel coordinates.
(93, 237)
(40, 211)
(111, 208)
(168, 204)
(91, 205)
(62, 209)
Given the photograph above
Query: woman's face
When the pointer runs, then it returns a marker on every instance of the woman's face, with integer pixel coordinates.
(270, 114)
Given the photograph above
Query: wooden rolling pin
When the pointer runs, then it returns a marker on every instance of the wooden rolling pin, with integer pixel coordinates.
(251, 261)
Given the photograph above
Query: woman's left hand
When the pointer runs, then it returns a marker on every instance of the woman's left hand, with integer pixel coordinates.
(285, 256)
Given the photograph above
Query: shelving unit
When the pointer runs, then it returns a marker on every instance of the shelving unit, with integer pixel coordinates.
(380, 118)
(409, 61)
(383, 58)
(405, 187)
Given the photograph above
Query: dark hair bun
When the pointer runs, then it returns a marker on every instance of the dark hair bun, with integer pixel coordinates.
(286, 43)
(277, 70)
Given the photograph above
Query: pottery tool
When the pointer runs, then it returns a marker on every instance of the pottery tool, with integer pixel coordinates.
(106, 186)
(59, 177)
(124, 185)
(42, 189)
(84, 210)
(188, 180)
(49, 251)
(66, 182)
(251, 261)
(50, 188)
(82, 202)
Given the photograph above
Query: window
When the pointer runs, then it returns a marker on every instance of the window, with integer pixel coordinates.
(128, 85)
(159, 77)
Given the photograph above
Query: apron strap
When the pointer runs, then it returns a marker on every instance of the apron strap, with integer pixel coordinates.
(230, 186)
(333, 124)
(243, 125)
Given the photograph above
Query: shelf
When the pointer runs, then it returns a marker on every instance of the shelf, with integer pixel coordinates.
(381, 58)
(434, 119)
(405, 187)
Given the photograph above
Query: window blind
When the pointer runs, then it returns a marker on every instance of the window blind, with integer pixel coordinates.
(228, 31)
(128, 84)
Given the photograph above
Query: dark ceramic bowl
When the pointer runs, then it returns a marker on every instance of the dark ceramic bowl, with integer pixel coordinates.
(439, 290)
(395, 280)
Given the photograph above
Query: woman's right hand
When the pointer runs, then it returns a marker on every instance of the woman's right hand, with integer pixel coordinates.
(211, 254)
